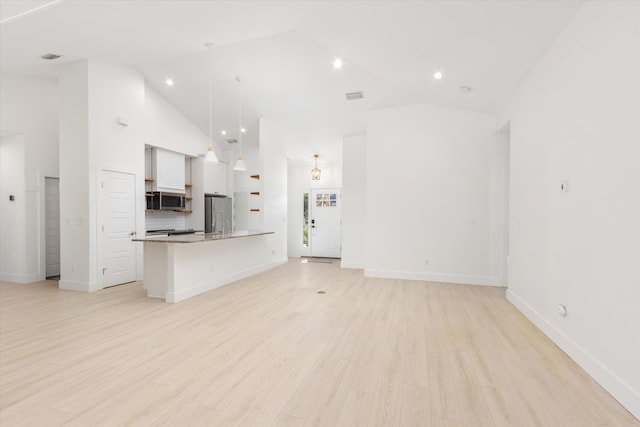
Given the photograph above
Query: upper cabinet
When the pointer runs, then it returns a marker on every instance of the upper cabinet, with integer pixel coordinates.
(168, 170)
(215, 178)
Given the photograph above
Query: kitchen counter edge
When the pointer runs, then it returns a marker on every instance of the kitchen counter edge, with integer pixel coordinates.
(205, 237)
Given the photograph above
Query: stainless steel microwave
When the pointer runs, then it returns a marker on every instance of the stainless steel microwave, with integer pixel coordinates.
(167, 201)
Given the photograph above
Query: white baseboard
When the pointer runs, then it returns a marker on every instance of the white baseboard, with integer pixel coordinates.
(435, 277)
(173, 297)
(617, 387)
(21, 278)
(352, 264)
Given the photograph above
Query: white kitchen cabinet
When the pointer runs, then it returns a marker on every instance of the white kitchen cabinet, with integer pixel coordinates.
(169, 171)
(215, 178)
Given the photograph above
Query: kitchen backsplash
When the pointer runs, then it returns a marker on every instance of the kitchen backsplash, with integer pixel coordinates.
(164, 220)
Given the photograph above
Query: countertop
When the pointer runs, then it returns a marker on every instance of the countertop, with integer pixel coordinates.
(202, 237)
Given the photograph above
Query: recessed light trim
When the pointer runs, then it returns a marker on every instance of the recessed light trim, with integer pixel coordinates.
(243, 130)
(438, 75)
(223, 132)
(169, 81)
(465, 89)
(337, 63)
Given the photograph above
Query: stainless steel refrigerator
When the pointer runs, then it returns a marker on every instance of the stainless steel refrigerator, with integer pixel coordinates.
(218, 214)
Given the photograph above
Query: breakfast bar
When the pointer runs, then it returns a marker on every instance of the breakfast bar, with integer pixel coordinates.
(178, 267)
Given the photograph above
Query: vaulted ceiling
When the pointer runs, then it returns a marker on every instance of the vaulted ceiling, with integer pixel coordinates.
(283, 52)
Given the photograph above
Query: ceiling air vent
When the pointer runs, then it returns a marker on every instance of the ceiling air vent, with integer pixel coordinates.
(354, 95)
(51, 56)
(231, 141)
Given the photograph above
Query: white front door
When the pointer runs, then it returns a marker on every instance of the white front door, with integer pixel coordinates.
(52, 226)
(325, 222)
(118, 228)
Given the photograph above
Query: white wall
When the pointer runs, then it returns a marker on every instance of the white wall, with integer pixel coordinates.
(29, 106)
(75, 245)
(576, 117)
(167, 128)
(430, 196)
(299, 180)
(274, 189)
(354, 201)
(93, 94)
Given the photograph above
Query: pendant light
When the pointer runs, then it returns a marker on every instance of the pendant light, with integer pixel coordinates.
(240, 166)
(210, 156)
(315, 172)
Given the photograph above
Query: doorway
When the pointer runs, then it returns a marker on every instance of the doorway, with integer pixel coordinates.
(322, 220)
(118, 212)
(52, 227)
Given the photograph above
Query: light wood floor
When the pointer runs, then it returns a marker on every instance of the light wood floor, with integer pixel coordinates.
(270, 350)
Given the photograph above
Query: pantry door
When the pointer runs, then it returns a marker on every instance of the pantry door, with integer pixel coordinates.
(118, 228)
(326, 222)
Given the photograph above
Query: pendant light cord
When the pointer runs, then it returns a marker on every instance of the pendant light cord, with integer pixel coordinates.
(239, 115)
(210, 101)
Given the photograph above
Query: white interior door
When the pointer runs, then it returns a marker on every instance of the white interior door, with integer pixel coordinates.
(326, 222)
(52, 226)
(118, 228)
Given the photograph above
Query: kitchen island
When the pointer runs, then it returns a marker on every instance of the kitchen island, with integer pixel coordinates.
(182, 266)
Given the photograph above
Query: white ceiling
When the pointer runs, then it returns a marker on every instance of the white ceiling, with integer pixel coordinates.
(282, 51)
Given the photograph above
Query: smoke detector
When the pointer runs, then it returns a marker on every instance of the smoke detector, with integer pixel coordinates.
(354, 95)
(51, 56)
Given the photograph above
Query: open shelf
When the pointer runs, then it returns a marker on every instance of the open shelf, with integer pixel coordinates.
(254, 210)
(255, 176)
(255, 193)
(188, 185)
(149, 180)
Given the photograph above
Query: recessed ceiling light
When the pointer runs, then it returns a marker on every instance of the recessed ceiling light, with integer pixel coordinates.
(169, 82)
(337, 63)
(224, 132)
(437, 75)
(465, 89)
(243, 130)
